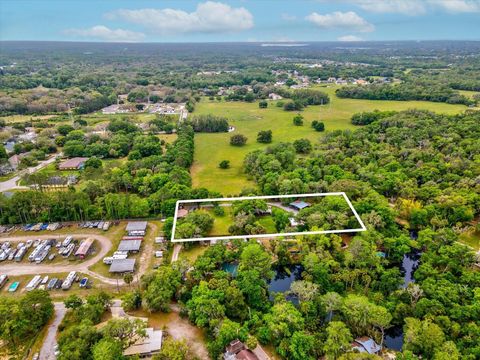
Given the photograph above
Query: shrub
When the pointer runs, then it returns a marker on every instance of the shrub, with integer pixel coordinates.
(293, 106)
(263, 104)
(238, 140)
(298, 120)
(302, 146)
(224, 164)
(264, 136)
(318, 125)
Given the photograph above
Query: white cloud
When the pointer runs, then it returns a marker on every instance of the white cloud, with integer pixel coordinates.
(350, 38)
(417, 7)
(457, 6)
(208, 17)
(343, 20)
(101, 32)
(408, 7)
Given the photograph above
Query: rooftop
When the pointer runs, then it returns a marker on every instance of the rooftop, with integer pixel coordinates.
(122, 265)
(75, 162)
(151, 344)
(299, 204)
(136, 226)
(84, 247)
(129, 245)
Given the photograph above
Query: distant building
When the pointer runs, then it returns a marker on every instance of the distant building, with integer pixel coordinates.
(365, 344)
(274, 96)
(148, 346)
(75, 163)
(14, 161)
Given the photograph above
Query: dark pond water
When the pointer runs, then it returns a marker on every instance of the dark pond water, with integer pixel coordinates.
(284, 276)
(410, 262)
(231, 268)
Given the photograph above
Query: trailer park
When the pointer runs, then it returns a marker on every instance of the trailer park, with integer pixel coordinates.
(62, 258)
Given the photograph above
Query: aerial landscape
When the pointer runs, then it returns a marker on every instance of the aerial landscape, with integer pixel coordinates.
(251, 180)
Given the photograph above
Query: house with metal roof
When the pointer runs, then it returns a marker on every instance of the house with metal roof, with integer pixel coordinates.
(365, 344)
(299, 204)
(147, 346)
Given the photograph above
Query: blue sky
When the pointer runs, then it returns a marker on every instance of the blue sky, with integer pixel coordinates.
(244, 20)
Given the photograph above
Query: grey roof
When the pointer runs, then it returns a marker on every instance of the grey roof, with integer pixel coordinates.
(299, 204)
(368, 345)
(129, 245)
(122, 265)
(149, 345)
(136, 226)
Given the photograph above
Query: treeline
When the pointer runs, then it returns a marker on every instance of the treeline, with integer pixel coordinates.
(403, 92)
(209, 123)
(140, 187)
(365, 118)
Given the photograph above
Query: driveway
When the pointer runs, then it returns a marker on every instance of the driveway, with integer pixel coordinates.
(11, 184)
(47, 350)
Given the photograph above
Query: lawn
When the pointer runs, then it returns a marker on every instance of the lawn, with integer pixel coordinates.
(471, 239)
(248, 120)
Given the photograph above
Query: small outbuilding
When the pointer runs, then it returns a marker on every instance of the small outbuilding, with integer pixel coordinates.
(122, 266)
(130, 245)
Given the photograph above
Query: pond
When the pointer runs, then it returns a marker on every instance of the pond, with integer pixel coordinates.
(410, 262)
(283, 278)
(231, 268)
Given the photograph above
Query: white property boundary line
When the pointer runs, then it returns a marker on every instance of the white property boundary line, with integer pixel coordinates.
(362, 228)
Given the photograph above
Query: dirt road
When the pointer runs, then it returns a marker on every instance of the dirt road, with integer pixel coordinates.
(47, 351)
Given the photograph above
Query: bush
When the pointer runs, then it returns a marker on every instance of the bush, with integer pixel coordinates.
(293, 106)
(264, 136)
(218, 211)
(298, 120)
(238, 140)
(302, 146)
(224, 164)
(263, 104)
(318, 125)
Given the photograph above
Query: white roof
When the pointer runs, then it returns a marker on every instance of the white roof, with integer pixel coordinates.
(151, 344)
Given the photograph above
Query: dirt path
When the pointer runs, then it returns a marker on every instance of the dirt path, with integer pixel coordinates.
(31, 268)
(176, 252)
(47, 351)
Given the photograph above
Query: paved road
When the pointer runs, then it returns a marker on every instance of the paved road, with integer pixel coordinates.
(14, 268)
(11, 184)
(47, 350)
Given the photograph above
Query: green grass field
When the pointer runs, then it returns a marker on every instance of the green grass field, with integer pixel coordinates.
(471, 239)
(248, 120)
